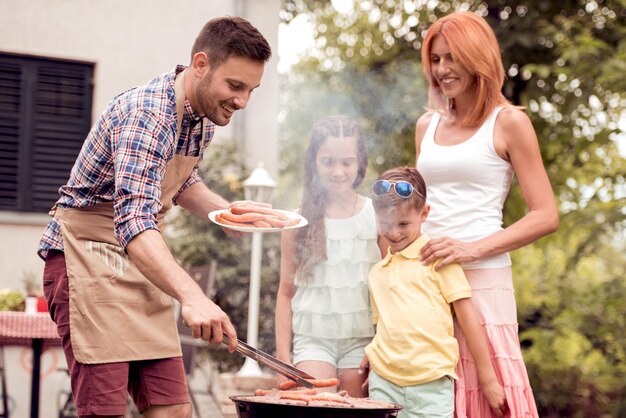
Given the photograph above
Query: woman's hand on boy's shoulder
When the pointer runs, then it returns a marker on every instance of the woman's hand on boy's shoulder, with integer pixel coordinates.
(447, 251)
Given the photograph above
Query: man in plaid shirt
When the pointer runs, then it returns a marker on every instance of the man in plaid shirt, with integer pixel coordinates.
(108, 270)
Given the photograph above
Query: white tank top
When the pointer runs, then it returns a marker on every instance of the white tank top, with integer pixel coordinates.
(467, 184)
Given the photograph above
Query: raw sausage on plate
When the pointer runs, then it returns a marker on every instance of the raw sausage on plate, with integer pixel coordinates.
(256, 218)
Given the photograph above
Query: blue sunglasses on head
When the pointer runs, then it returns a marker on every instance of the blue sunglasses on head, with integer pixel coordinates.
(402, 188)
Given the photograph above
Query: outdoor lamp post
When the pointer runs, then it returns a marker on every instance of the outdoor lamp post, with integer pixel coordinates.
(260, 188)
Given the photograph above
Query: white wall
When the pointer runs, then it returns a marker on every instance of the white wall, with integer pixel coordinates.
(261, 125)
(129, 42)
(19, 236)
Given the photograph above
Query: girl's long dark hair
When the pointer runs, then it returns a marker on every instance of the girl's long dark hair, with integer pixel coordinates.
(311, 240)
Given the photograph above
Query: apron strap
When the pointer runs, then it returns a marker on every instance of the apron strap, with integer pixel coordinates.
(179, 90)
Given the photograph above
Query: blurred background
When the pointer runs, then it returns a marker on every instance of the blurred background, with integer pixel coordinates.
(565, 62)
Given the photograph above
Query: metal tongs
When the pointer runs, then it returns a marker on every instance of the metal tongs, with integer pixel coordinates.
(273, 363)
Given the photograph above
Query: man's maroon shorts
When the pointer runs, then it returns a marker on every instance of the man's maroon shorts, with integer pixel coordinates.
(102, 389)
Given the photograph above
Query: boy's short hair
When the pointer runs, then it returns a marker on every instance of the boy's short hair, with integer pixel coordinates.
(390, 199)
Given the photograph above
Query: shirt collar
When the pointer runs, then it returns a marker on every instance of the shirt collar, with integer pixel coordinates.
(411, 252)
(190, 114)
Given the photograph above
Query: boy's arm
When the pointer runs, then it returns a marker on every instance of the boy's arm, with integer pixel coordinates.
(477, 343)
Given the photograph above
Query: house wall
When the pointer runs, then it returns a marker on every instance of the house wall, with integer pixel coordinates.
(129, 42)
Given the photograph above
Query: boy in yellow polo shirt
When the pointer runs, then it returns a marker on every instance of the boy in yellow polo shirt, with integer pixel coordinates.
(413, 355)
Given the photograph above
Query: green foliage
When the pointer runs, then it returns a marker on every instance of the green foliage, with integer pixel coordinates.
(572, 322)
(11, 300)
(195, 242)
(565, 63)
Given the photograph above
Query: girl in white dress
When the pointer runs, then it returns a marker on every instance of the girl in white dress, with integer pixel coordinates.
(323, 314)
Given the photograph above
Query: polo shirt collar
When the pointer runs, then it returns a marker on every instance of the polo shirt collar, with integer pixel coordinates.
(411, 252)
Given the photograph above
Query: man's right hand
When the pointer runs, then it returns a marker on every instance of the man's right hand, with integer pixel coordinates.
(208, 321)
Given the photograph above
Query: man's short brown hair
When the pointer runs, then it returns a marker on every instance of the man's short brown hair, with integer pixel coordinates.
(225, 36)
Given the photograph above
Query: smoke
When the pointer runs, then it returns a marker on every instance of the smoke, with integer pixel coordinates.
(385, 100)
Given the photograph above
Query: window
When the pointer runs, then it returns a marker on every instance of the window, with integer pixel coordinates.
(45, 115)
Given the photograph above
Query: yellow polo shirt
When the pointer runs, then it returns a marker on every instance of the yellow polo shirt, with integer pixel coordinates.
(414, 341)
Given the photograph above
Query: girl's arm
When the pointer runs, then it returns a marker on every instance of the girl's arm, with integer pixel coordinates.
(364, 369)
(515, 141)
(286, 291)
(383, 245)
(477, 343)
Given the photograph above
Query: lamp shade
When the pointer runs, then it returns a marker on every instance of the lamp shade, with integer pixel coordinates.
(259, 186)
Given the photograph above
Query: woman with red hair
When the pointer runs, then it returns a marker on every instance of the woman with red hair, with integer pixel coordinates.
(469, 145)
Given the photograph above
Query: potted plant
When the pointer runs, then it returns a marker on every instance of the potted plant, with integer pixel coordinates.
(34, 293)
(11, 300)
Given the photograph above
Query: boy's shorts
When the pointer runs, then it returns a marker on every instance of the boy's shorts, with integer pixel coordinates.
(343, 353)
(102, 389)
(429, 400)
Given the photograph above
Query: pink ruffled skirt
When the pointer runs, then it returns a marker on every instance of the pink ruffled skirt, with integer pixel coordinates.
(494, 300)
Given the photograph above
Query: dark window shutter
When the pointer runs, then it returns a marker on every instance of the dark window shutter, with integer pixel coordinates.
(10, 105)
(52, 119)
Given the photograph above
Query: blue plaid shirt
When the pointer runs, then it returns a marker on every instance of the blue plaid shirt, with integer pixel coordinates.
(124, 157)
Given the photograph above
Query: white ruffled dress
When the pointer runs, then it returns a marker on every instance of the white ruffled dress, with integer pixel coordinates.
(335, 302)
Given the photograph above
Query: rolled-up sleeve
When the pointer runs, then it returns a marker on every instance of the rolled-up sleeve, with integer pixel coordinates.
(143, 143)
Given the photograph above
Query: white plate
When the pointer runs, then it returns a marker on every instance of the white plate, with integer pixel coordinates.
(293, 215)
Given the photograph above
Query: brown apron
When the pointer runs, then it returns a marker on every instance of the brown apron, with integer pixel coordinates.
(116, 314)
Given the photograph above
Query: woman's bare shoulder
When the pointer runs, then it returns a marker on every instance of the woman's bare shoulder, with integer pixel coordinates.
(514, 131)
(422, 125)
(425, 119)
(512, 116)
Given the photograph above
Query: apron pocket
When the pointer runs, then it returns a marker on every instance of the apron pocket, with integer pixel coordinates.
(117, 290)
(113, 284)
(111, 255)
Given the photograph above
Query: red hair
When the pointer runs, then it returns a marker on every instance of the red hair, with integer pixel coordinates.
(474, 45)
